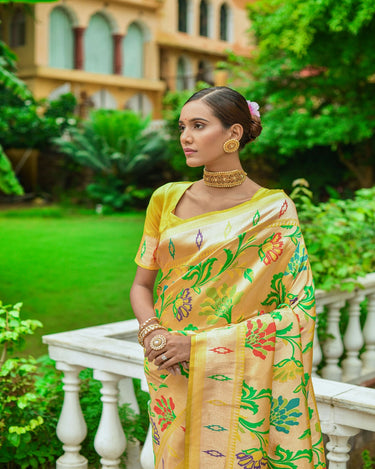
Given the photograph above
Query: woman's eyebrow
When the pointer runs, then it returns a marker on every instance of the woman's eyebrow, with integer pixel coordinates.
(194, 119)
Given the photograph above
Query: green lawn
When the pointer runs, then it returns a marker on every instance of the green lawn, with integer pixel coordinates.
(70, 271)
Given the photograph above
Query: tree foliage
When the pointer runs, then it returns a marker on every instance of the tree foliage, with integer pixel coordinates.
(314, 75)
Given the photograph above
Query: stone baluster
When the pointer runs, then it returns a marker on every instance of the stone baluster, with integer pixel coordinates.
(338, 447)
(368, 357)
(317, 350)
(127, 396)
(110, 441)
(147, 456)
(333, 347)
(71, 429)
(353, 340)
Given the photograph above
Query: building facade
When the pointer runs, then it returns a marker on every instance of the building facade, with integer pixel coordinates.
(121, 54)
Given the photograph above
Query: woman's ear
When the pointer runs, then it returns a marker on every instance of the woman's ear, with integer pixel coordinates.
(236, 131)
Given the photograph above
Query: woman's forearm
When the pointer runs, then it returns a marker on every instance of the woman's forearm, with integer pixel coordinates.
(142, 302)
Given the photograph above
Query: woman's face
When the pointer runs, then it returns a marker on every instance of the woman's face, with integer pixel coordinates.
(202, 136)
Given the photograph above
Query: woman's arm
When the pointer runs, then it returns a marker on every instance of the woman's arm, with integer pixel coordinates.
(177, 349)
(142, 294)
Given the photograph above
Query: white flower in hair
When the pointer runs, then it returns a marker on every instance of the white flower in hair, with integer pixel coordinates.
(254, 108)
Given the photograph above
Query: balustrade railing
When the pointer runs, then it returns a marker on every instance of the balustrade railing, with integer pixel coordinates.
(355, 368)
(113, 353)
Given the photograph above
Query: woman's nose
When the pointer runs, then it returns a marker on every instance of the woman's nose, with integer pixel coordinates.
(185, 136)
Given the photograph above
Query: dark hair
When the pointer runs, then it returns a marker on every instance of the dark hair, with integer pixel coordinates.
(230, 107)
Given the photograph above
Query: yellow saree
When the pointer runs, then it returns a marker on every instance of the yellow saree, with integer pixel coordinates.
(239, 281)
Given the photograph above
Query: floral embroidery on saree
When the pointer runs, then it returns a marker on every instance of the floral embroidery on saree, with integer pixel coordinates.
(243, 289)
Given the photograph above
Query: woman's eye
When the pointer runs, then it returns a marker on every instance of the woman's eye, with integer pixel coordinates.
(181, 128)
(199, 126)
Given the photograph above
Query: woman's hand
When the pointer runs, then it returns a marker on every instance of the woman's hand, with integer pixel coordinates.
(176, 350)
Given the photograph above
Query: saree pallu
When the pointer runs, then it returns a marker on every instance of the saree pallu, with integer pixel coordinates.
(239, 282)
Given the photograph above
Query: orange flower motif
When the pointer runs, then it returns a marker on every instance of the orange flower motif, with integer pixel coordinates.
(271, 249)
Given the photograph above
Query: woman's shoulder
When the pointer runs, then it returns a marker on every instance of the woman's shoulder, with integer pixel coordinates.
(278, 202)
(170, 190)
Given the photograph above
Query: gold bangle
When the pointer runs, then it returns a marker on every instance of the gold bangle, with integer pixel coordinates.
(147, 330)
(144, 324)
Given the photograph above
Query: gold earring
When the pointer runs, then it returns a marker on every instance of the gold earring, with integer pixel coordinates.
(232, 145)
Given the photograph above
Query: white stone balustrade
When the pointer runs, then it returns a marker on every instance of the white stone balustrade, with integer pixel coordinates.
(115, 356)
(354, 368)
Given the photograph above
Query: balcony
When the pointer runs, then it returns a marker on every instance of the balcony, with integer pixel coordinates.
(113, 353)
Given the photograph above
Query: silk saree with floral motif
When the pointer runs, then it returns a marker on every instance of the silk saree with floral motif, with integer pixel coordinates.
(239, 282)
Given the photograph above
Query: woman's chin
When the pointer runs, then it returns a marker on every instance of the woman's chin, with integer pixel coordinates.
(193, 164)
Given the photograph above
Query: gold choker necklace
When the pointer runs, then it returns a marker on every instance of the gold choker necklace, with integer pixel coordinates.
(224, 178)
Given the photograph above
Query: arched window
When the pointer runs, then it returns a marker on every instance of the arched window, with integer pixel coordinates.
(18, 29)
(183, 15)
(133, 52)
(224, 20)
(98, 44)
(203, 18)
(103, 99)
(61, 39)
(140, 104)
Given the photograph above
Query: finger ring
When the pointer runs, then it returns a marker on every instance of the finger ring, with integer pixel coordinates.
(158, 342)
(163, 357)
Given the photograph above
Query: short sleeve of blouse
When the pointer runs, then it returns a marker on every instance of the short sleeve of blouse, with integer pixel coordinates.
(146, 255)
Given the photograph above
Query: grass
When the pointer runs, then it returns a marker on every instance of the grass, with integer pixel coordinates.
(69, 270)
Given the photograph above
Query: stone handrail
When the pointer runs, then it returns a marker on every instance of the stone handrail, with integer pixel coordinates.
(113, 353)
(355, 368)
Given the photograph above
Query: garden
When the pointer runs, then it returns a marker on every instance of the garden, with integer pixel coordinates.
(69, 238)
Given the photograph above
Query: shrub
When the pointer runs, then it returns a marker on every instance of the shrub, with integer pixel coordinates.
(126, 157)
(31, 399)
(339, 234)
(33, 124)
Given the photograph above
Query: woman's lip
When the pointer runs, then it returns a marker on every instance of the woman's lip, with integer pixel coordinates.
(189, 151)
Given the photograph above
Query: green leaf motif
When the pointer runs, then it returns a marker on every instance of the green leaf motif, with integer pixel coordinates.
(278, 291)
(249, 275)
(285, 458)
(201, 273)
(250, 394)
(250, 425)
(172, 249)
(308, 302)
(256, 218)
(143, 250)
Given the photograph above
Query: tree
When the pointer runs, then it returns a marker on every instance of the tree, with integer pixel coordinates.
(8, 181)
(314, 75)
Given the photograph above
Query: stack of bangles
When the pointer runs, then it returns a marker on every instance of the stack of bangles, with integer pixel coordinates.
(158, 342)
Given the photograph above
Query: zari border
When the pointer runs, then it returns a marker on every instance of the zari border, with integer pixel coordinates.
(194, 401)
(236, 394)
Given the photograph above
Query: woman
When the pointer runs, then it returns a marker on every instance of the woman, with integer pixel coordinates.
(228, 342)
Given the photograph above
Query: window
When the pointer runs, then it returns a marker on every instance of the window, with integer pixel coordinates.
(133, 52)
(98, 44)
(224, 14)
(203, 18)
(61, 40)
(185, 76)
(18, 29)
(140, 104)
(182, 15)
(205, 72)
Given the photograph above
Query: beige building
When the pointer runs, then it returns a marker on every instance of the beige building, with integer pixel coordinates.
(123, 53)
